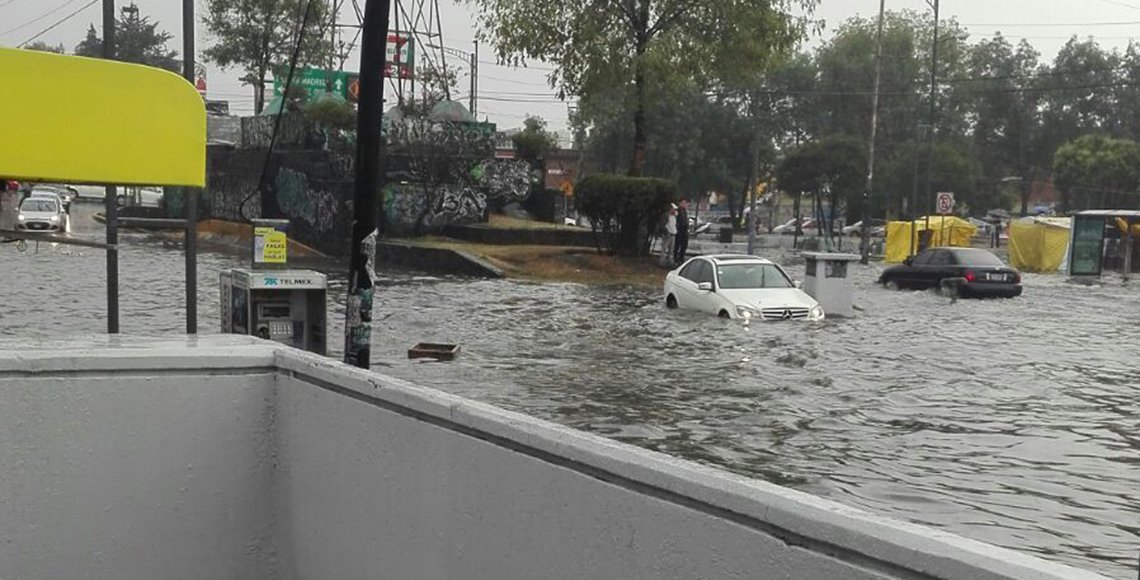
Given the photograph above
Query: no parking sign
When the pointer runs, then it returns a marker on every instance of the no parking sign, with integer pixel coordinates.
(945, 202)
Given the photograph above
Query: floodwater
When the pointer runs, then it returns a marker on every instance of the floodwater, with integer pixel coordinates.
(1015, 422)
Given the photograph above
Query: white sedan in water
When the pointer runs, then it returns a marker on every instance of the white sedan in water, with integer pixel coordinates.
(739, 286)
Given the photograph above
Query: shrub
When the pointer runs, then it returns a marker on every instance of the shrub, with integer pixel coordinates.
(624, 211)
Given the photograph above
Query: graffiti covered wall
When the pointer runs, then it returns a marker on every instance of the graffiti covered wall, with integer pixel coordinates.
(312, 189)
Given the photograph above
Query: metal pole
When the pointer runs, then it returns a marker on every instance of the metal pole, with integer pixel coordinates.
(865, 250)
(110, 203)
(358, 312)
(1128, 250)
(933, 108)
(753, 177)
(190, 245)
(475, 81)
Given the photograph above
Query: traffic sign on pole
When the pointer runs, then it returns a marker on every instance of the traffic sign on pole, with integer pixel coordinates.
(945, 203)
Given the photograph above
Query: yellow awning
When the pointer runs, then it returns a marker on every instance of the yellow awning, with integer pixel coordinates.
(72, 119)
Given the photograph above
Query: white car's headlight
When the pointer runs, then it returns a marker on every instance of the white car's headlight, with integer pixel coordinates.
(21, 217)
(816, 313)
(747, 312)
(54, 219)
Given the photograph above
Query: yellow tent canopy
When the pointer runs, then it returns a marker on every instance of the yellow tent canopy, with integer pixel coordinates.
(80, 120)
(944, 231)
(1039, 244)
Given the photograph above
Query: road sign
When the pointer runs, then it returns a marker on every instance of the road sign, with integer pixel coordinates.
(313, 81)
(399, 56)
(567, 188)
(945, 203)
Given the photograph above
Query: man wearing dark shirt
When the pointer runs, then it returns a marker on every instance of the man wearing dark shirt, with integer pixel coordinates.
(682, 243)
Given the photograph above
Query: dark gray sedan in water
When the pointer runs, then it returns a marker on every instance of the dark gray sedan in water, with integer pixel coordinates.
(972, 272)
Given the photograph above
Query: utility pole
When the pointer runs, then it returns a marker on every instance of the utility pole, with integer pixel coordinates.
(475, 81)
(110, 201)
(865, 243)
(358, 311)
(332, 44)
(190, 243)
(753, 175)
(933, 108)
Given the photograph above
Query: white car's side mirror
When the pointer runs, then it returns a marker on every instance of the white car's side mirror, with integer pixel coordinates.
(705, 286)
(798, 284)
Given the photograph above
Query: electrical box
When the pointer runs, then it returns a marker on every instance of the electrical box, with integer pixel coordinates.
(286, 306)
(827, 279)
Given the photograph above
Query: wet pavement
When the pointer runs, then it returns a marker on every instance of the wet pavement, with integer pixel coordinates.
(1015, 422)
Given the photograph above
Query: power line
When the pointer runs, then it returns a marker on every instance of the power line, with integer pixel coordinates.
(1119, 3)
(1054, 24)
(6, 2)
(38, 18)
(57, 23)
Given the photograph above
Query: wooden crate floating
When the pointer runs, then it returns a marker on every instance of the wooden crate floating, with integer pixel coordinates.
(442, 352)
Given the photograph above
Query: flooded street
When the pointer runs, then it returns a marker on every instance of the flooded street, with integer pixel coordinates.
(1015, 422)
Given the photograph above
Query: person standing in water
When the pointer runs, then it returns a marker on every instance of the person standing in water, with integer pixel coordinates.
(681, 245)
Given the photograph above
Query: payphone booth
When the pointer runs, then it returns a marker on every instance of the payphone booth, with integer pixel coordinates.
(287, 306)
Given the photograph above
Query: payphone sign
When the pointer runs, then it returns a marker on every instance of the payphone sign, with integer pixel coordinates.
(270, 246)
(298, 280)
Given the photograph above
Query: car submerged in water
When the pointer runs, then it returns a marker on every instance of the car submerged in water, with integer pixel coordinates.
(739, 287)
(974, 273)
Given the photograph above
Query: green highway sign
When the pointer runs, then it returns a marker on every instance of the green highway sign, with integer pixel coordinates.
(315, 82)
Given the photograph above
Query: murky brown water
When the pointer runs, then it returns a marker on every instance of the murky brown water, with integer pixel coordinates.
(1013, 422)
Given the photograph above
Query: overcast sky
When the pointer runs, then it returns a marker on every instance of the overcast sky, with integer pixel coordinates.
(508, 95)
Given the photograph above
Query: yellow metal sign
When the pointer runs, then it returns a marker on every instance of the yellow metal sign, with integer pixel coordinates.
(270, 246)
(72, 119)
(567, 188)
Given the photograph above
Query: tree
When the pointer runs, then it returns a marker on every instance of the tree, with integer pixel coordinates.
(1007, 124)
(259, 36)
(834, 166)
(1095, 171)
(137, 40)
(598, 45)
(45, 47)
(534, 142)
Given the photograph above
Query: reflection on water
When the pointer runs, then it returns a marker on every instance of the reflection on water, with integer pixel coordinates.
(1012, 422)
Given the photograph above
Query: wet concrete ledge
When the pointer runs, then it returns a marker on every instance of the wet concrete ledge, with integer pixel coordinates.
(438, 261)
(232, 457)
(521, 237)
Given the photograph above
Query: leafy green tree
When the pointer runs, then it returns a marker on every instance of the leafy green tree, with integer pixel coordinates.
(1095, 171)
(956, 170)
(259, 36)
(1007, 124)
(45, 47)
(534, 142)
(834, 167)
(137, 39)
(596, 46)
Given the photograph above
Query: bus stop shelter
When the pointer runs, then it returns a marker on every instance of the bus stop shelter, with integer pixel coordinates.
(1103, 240)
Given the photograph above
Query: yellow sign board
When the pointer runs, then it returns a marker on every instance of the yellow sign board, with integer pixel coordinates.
(270, 246)
(73, 119)
(567, 188)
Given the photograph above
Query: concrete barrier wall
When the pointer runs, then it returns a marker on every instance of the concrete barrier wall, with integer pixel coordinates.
(384, 479)
(226, 457)
(129, 466)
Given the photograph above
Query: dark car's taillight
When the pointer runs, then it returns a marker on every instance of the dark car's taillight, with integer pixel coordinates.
(1016, 278)
(971, 276)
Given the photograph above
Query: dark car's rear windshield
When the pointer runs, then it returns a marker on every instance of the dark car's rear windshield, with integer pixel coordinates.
(978, 258)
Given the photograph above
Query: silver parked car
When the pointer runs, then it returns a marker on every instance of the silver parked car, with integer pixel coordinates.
(41, 213)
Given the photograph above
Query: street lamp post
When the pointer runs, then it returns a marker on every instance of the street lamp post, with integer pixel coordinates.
(933, 110)
(865, 238)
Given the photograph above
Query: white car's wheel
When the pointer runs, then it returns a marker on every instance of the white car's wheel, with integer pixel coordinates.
(671, 302)
(724, 314)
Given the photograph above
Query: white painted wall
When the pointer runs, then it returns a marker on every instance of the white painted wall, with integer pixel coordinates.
(235, 458)
(160, 473)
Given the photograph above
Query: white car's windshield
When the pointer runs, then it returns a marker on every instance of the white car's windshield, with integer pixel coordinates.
(742, 276)
(39, 204)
